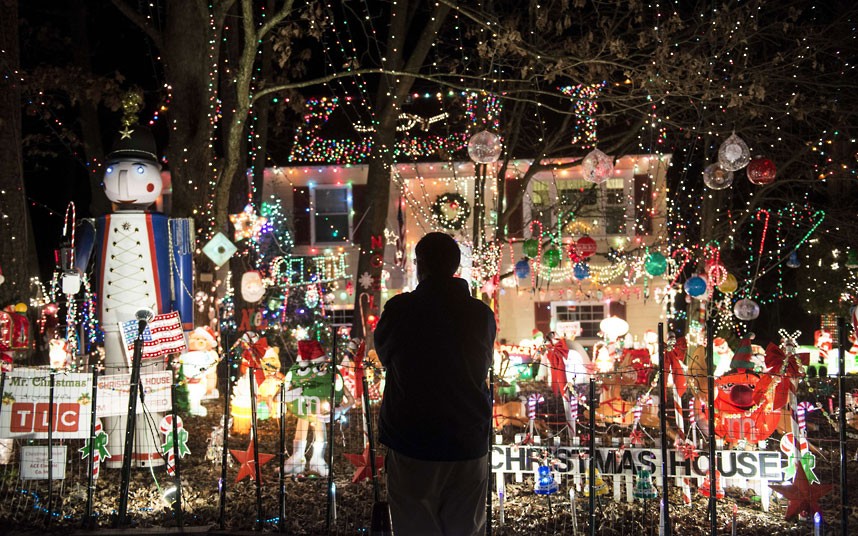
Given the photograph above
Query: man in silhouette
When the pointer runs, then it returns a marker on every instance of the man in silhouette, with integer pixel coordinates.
(436, 344)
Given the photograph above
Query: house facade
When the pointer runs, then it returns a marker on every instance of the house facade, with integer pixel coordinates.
(623, 217)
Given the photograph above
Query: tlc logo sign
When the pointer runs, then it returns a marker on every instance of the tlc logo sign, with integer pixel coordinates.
(28, 417)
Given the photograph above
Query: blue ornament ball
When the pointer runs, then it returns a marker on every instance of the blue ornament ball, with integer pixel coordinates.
(581, 271)
(695, 286)
(522, 269)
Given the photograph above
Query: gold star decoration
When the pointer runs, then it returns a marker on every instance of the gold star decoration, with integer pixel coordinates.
(125, 134)
(247, 223)
(802, 495)
(248, 464)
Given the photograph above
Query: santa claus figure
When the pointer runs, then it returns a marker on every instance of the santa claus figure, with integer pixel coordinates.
(142, 261)
(309, 398)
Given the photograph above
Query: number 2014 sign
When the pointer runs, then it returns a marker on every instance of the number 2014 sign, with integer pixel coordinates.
(28, 412)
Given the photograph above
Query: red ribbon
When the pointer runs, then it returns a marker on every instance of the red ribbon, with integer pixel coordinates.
(251, 357)
(673, 364)
(786, 368)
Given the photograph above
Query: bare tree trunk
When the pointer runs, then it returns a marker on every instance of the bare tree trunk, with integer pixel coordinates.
(17, 248)
(190, 50)
(389, 98)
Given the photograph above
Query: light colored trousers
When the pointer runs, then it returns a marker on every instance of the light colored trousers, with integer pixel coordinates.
(429, 498)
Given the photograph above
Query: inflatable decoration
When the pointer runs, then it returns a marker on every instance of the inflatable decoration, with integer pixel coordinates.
(309, 398)
(743, 407)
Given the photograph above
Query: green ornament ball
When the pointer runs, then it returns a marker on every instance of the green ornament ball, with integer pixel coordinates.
(551, 258)
(530, 248)
(656, 264)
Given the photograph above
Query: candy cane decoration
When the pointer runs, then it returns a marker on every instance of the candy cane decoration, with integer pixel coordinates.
(98, 448)
(166, 428)
(573, 413)
(680, 424)
(533, 401)
(800, 411)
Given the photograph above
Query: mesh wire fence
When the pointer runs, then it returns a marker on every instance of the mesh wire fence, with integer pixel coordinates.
(306, 499)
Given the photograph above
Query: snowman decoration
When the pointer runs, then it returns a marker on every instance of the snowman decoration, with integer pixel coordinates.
(142, 261)
(309, 398)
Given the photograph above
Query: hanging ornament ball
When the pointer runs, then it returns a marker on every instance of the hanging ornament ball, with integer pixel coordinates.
(484, 147)
(2, 279)
(733, 154)
(21, 307)
(530, 248)
(551, 257)
(729, 285)
(761, 171)
(597, 166)
(716, 177)
(656, 264)
(581, 271)
(585, 246)
(746, 309)
(695, 286)
(522, 269)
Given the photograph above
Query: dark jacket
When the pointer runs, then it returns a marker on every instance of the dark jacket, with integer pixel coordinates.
(436, 344)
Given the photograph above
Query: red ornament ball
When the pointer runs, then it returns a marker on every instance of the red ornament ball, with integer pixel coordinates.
(761, 171)
(585, 247)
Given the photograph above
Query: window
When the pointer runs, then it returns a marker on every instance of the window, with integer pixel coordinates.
(589, 315)
(331, 217)
(606, 209)
(340, 317)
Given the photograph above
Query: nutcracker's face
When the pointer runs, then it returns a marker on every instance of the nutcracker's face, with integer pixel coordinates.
(132, 182)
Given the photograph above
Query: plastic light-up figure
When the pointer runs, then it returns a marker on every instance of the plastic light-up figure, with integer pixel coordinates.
(142, 260)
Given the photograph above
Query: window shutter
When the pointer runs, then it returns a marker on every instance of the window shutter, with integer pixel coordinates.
(618, 309)
(301, 215)
(515, 226)
(643, 205)
(542, 316)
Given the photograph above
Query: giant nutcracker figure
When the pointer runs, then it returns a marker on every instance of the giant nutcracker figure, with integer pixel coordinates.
(142, 261)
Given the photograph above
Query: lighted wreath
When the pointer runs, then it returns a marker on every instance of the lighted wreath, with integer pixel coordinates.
(451, 210)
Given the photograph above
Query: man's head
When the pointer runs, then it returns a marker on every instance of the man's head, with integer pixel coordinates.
(437, 256)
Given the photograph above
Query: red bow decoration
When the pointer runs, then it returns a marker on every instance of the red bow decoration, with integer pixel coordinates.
(687, 450)
(557, 359)
(673, 364)
(788, 368)
(251, 357)
(636, 437)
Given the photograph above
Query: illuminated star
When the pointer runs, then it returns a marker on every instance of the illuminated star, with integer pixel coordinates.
(365, 280)
(803, 496)
(363, 468)
(245, 458)
(125, 134)
(247, 224)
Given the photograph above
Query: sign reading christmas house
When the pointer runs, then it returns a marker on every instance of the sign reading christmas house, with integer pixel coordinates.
(29, 410)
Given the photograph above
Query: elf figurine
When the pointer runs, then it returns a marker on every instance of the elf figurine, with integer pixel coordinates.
(309, 398)
(142, 261)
